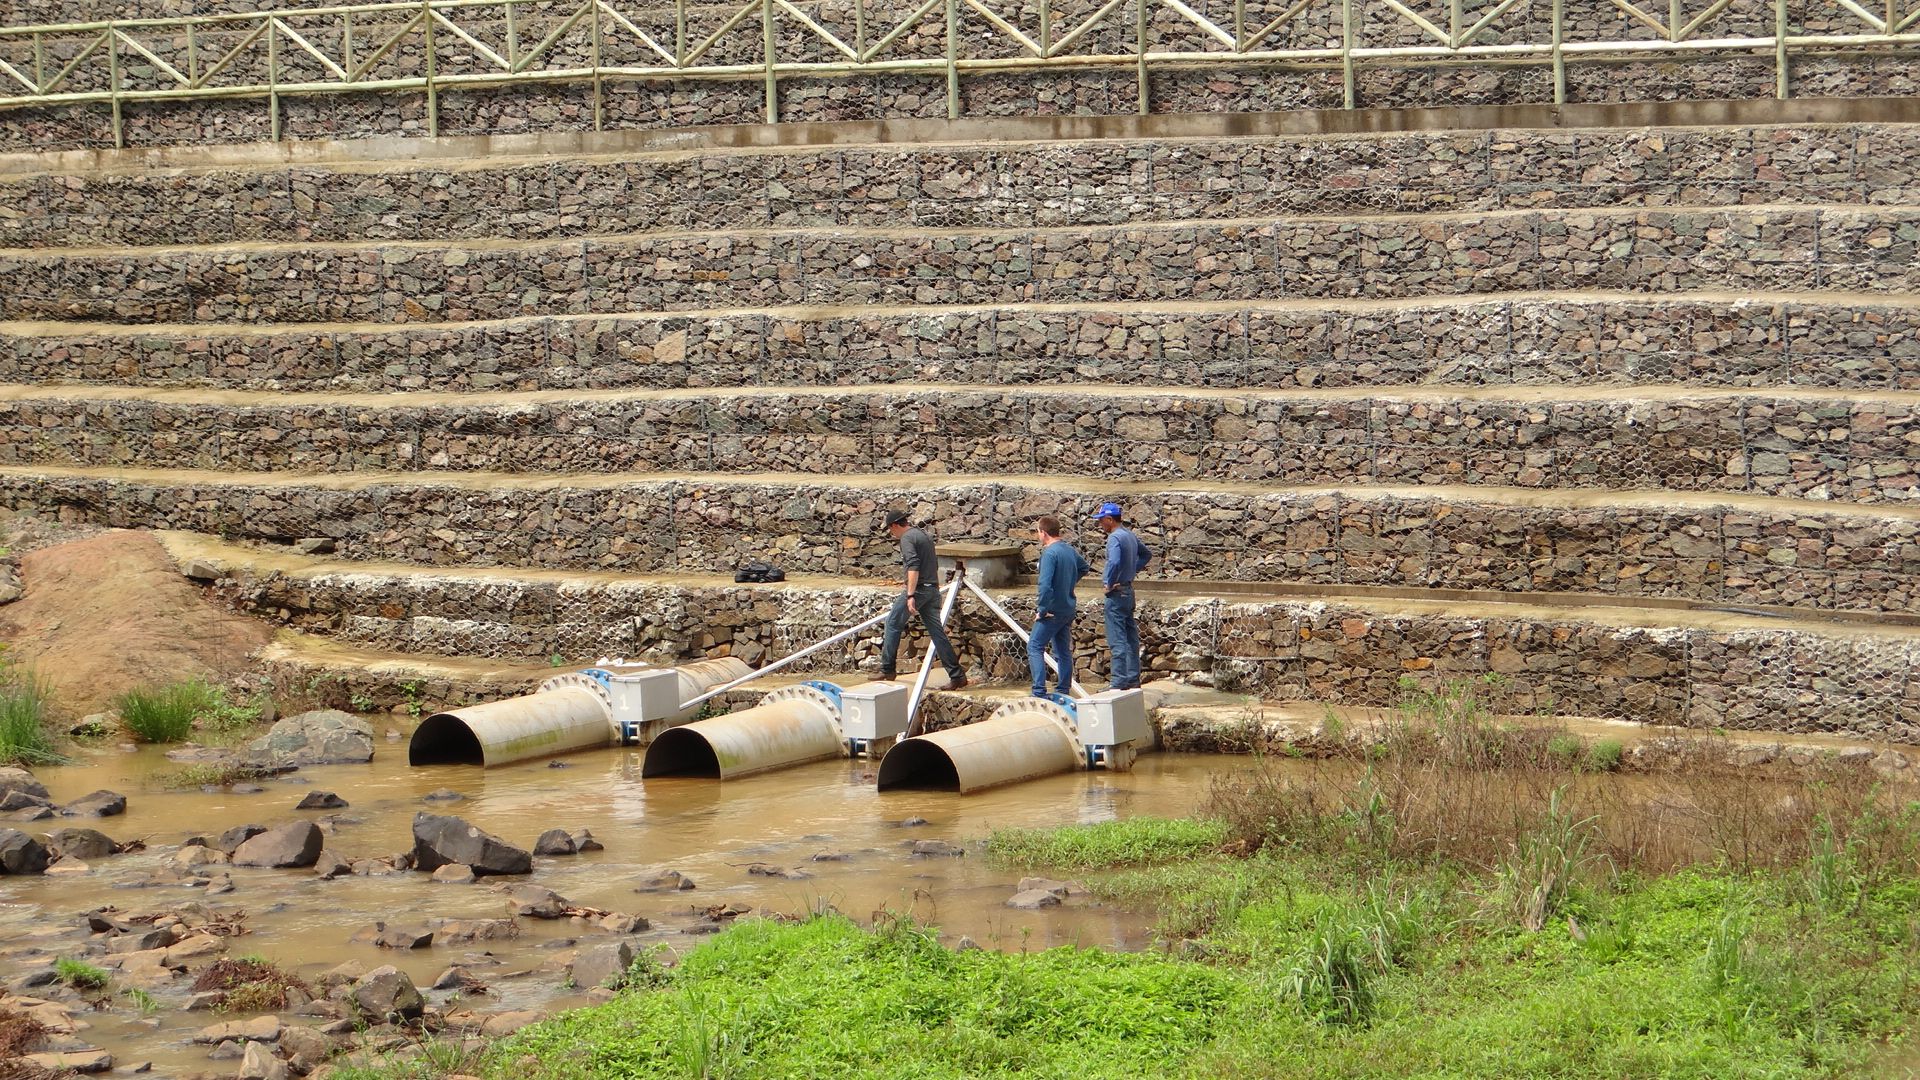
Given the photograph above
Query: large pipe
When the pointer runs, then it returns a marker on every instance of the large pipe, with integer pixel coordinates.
(557, 721)
(1022, 741)
(791, 726)
(570, 712)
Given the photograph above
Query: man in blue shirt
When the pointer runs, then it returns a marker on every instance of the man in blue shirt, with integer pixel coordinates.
(1126, 557)
(1061, 568)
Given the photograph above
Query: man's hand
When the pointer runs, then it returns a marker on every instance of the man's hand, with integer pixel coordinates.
(1045, 616)
(912, 609)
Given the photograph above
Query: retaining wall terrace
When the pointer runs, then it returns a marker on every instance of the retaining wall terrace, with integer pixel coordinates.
(1734, 554)
(947, 186)
(1821, 447)
(1547, 340)
(1785, 679)
(1663, 251)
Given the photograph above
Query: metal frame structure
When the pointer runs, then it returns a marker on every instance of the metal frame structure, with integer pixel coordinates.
(409, 47)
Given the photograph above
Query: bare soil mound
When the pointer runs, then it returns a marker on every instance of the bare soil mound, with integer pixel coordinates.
(110, 612)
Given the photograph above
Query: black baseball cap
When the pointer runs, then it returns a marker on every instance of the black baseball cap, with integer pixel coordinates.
(894, 517)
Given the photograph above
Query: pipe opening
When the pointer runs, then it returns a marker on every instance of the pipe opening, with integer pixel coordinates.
(918, 765)
(681, 752)
(444, 739)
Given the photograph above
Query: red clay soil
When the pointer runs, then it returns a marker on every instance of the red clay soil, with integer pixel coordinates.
(111, 612)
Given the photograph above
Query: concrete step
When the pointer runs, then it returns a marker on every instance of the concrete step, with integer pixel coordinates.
(1693, 667)
(217, 195)
(1868, 250)
(1720, 548)
(1860, 446)
(1745, 338)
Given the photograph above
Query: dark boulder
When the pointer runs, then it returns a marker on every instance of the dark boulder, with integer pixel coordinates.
(386, 994)
(21, 854)
(439, 841)
(98, 804)
(81, 844)
(555, 842)
(298, 844)
(231, 840)
(321, 800)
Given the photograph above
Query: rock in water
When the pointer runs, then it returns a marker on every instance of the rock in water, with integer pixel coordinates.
(385, 993)
(554, 842)
(98, 804)
(1033, 900)
(298, 844)
(322, 800)
(14, 779)
(602, 965)
(439, 841)
(82, 844)
(21, 854)
(231, 840)
(258, 1063)
(320, 737)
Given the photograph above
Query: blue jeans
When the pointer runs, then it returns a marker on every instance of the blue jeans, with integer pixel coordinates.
(1123, 637)
(1058, 633)
(927, 599)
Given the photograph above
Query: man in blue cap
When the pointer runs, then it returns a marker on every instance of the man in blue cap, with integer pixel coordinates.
(1061, 568)
(1126, 557)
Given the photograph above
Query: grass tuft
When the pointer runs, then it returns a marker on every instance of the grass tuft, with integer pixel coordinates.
(165, 714)
(24, 739)
(79, 974)
(1139, 841)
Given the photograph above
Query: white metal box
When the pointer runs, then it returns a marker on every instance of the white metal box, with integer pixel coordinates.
(875, 710)
(641, 697)
(1112, 717)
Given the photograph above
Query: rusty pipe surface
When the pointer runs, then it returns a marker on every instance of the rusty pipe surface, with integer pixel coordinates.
(1021, 743)
(556, 721)
(774, 735)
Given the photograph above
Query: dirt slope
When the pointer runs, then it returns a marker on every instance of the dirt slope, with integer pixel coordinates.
(111, 612)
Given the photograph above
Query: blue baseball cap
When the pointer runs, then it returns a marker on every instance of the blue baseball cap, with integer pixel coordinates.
(1111, 510)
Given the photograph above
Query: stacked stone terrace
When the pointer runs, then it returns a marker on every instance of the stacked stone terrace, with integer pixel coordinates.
(1630, 417)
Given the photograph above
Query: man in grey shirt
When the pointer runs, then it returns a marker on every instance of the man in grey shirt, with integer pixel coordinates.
(921, 597)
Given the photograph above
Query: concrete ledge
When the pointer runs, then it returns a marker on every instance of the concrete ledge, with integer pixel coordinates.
(1006, 129)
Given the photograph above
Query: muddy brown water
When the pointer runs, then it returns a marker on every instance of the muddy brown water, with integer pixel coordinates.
(708, 830)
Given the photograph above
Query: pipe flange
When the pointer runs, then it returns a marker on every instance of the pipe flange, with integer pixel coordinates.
(580, 680)
(810, 693)
(1047, 707)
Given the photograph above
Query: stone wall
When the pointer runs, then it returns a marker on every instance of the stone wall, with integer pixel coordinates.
(1823, 447)
(1654, 251)
(1734, 554)
(1791, 679)
(1551, 340)
(1001, 186)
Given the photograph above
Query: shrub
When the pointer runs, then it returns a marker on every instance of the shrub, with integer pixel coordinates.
(1332, 978)
(23, 719)
(165, 714)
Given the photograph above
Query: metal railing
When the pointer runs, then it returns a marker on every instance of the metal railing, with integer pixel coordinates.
(433, 46)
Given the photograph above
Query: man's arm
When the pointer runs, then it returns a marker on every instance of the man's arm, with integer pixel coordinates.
(910, 558)
(1110, 572)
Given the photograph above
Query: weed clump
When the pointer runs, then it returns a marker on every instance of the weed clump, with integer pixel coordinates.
(1136, 841)
(164, 714)
(79, 974)
(209, 774)
(171, 713)
(249, 984)
(24, 738)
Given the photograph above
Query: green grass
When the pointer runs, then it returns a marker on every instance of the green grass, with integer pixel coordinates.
(24, 738)
(79, 973)
(166, 714)
(207, 774)
(1137, 841)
